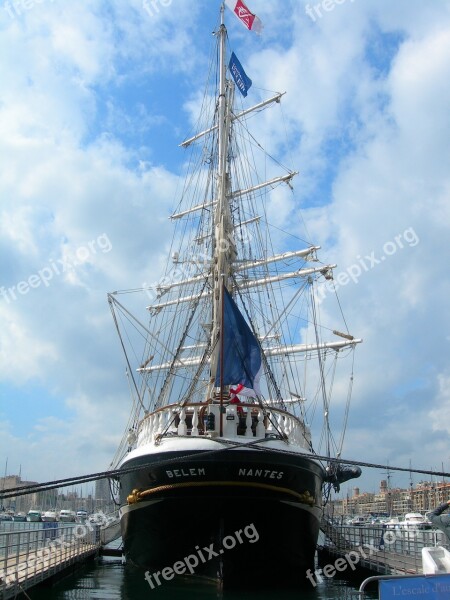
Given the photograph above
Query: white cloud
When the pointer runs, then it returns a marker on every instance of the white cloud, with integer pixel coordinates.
(22, 353)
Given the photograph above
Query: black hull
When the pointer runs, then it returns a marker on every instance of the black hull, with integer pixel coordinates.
(234, 513)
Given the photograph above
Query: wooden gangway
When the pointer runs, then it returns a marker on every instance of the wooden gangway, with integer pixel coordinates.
(30, 556)
(377, 548)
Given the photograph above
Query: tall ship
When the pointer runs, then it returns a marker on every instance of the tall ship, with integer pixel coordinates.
(229, 367)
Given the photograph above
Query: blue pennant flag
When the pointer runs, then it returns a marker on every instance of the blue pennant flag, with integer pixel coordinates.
(242, 363)
(240, 78)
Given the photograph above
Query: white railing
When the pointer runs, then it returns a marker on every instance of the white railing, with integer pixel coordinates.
(381, 549)
(243, 420)
(29, 556)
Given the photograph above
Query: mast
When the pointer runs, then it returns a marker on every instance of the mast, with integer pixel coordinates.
(222, 224)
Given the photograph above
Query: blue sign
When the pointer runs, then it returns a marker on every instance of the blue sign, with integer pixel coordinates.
(433, 587)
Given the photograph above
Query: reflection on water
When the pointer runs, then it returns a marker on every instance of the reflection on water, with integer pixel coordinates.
(108, 579)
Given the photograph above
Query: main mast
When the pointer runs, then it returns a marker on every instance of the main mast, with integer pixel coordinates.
(224, 249)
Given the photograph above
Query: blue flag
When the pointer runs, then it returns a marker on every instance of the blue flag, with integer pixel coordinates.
(242, 362)
(240, 78)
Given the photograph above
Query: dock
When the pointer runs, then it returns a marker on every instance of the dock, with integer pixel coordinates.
(376, 548)
(32, 556)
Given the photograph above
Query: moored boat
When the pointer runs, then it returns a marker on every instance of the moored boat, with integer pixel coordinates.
(34, 515)
(219, 463)
(49, 516)
(359, 521)
(67, 516)
(81, 516)
(20, 517)
(415, 521)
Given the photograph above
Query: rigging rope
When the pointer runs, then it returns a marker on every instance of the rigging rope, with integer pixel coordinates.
(31, 489)
(347, 408)
(326, 407)
(112, 301)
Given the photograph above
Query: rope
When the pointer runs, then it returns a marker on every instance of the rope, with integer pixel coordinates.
(22, 491)
(138, 495)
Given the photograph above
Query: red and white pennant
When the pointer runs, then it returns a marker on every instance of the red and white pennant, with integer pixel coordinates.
(246, 17)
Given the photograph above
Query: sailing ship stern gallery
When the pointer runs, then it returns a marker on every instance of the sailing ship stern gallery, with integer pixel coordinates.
(233, 366)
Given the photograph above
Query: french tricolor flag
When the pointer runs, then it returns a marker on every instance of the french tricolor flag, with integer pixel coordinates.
(241, 360)
(247, 18)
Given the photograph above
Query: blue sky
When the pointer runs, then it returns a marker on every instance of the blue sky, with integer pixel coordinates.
(94, 99)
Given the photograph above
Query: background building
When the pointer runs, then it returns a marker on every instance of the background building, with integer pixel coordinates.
(392, 501)
(64, 498)
(26, 502)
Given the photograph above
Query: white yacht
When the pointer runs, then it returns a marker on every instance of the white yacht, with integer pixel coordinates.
(67, 516)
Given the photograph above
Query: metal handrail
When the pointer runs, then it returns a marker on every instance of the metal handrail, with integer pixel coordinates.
(394, 550)
(31, 554)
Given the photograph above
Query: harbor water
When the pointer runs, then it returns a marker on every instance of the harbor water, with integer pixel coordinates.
(108, 579)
